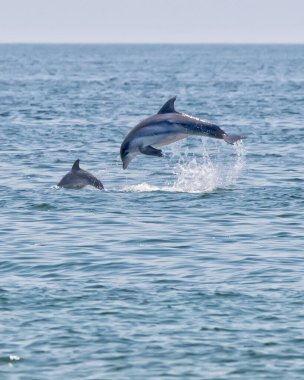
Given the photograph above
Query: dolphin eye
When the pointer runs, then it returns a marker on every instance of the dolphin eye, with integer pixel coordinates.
(126, 149)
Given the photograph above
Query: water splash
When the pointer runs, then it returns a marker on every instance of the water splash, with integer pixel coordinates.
(142, 187)
(201, 174)
(205, 174)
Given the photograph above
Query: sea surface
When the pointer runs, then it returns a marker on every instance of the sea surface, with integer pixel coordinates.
(189, 266)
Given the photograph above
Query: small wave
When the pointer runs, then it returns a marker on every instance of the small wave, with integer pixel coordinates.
(10, 358)
(201, 175)
(42, 206)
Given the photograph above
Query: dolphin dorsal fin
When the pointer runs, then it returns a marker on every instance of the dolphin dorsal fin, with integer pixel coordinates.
(168, 107)
(76, 165)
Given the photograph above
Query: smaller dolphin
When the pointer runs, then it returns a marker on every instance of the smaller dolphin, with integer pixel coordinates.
(78, 178)
(164, 128)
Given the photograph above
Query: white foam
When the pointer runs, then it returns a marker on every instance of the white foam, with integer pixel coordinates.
(201, 174)
(140, 188)
(14, 357)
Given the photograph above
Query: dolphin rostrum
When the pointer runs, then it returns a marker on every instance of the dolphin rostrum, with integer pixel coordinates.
(78, 178)
(164, 128)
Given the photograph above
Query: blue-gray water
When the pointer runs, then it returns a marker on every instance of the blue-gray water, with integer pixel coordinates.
(186, 267)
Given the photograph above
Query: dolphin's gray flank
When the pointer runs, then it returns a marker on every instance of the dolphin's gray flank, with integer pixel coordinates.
(78, 178)
(164, 128)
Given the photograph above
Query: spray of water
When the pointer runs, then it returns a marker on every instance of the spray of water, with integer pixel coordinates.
(201, 174)
(206, 174)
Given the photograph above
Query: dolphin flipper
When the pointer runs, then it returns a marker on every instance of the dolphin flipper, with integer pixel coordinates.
(150, 151)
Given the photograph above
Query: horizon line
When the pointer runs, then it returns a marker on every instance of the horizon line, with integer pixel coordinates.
(145, 43)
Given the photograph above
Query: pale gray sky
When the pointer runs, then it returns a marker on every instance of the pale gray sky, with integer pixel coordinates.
(160, 21)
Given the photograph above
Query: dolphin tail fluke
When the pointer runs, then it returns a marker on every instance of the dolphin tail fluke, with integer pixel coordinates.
(231, 139)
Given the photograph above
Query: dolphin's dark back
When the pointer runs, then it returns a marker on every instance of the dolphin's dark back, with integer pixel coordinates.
(188, 122)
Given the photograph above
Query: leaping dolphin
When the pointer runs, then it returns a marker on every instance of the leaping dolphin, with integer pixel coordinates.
(164, 128)
(78, 178)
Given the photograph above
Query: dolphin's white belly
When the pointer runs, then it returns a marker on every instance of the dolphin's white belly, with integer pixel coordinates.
(170, 139)
(160, 134)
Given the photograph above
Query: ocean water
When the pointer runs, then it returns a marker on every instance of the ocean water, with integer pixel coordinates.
(187, 267)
